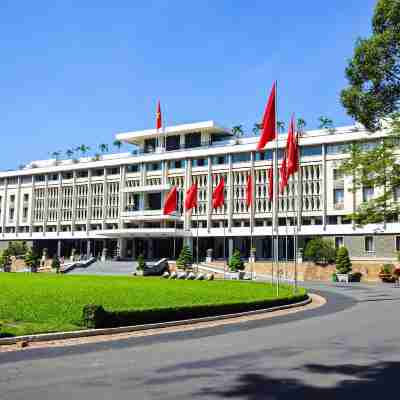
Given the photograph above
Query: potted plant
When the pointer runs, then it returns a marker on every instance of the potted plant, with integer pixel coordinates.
(32, 260)
(185, 259)
(55, 264)
(386, 273)
(343, 265)
(141, 264)
(236, 264)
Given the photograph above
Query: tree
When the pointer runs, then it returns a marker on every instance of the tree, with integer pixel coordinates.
(281, 126)
(141, 263)
(31, 259)
(301, 124)
(17, 248)
(4, 258)
(185, 258)
(118, 144)
(103, 147)
(320, 251)
(237, 130)
(56, 155)
(377, 168)
(83, 149)
(235, 262)
(374, 71)
(325, 123)
(343, 263)
(256, 128)
(55, 264)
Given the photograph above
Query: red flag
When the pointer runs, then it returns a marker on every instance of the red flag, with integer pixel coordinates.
(283, 174)
(191, 197)
(218, 196)
(292, 149)
(249, 191)
(270, 184)
(268, 124)
(171, 202)
(158, 116)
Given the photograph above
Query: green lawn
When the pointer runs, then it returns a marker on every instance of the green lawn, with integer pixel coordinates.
(37, 303)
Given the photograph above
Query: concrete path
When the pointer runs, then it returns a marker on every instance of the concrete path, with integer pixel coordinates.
(107, 268)
(347, 349)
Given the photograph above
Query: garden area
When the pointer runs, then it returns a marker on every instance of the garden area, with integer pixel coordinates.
(39, 303)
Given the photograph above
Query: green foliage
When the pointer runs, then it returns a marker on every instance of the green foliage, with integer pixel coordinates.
(31, 303)
(343, 263)
(17, 248)
(256, 128)
(387, 269)
(235, 263)
(281, 126)
(301, 124)
(55, 264)
(374, 71)
(4, 257)
(375, 168)
(94, 316)
(237, 130)
(325, 123)
(141, 263)
(185, 258)
(31, 258)
(320, 251)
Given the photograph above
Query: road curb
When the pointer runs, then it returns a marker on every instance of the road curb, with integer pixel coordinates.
(43, 337)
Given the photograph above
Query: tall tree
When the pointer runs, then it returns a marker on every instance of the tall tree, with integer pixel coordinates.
(69, 153)
(83, 149)
(374, 71)
(103, 147)
(325, 123)
(237, 130)
(256, 129)
(281, 126)
(301, 124)
(118, 144)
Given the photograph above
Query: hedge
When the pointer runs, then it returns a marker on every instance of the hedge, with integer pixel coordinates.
(95, 316)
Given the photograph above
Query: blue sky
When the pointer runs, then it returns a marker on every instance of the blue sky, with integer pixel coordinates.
(76, 72)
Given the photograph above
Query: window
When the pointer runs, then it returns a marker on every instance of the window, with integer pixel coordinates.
(338, 241)
(193, 140)
(67, 175)
(240, 157)
(156, 166)
(12, 180)
(98, 172)
(263, 155)
(338, 197)
(309, 151)
(149, 145)
(369, 244)
(340, 148)
(25, 213)
(11, 214)
(397, 243)
(220, 160)
(12, 198)
(26, 197)
(133, 168)
(173, 142)
(82, 173)
(332, 219)
(367, 193)
(53, 177)
(26, 179)
(173, 164)
(199, 162)
(113, 171)
(40, 178)
(337, 174)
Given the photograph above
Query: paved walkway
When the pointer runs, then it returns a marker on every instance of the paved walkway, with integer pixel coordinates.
(107, 268)
(347, 349)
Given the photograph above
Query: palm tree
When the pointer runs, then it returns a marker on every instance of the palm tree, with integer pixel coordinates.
(301, 123)
(118, 144)
(103, 147)
(256, 128)
(83, 149)
(69, 153)
(56, 155)
(237, 130)
(281, 126)
(325, 123)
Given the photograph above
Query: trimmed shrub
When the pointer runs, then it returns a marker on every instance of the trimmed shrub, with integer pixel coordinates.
(31, 259)
(320, 251)
(343, 263)
(94, 316)
(235, 262)
(97, 317)
(141, 263)
(185, 258)
(55, 264)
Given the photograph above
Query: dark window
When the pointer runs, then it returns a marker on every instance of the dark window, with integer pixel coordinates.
(220, 160)
(176, 164)
(149, 145)
(40, 178)
(53, 177)
(67, 175)
(199, 162)
(133, 168)
(311, 151)
(332, 219)
(397, 243)
(369, 244)
(173, 142)
(82, 173)
(26, 197)
(263, 155)
(338, 241)
(113, 171)
(193, 140)
(156, 166)
(154, 201)
(98, 172)
(240, 157)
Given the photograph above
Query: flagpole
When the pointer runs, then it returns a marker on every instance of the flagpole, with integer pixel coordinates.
(197, 241)
(276, 193)
(299, 209)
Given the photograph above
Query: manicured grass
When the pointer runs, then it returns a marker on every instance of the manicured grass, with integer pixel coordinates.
(37, 303)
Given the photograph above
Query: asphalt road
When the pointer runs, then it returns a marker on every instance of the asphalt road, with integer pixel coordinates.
(349, 348)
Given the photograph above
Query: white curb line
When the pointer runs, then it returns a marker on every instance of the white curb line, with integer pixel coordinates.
(43, 337)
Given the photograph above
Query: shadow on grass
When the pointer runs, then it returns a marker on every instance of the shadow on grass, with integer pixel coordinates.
(352, 382)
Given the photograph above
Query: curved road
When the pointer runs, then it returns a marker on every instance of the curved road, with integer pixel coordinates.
(349, 348)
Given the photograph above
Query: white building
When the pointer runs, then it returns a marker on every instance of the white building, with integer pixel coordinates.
(115, 202)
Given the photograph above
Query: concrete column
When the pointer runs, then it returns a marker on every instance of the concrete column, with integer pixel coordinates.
(150, 252)
(324, 187)
(73, 202)
(4, 206)
(121, 247)
(187, 184)
(103, 225)
(121, 196)
(89, 202)
(88, 248)
(209, 195)
(32, 205)
(58, 248)
(46, 203)
(17, 205)
(59, 203)
(230, 193)
(230, 247)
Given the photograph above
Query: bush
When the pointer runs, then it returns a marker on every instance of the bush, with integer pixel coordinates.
(31, 259)
(17, 248)
(387, 269)
(4, 258)
(343, 263)
(141, 263)
(96, 317)
(320, 251)
(55, 264)
(235, 262)
(185, 258)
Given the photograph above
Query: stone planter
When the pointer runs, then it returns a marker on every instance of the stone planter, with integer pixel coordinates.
(343, 278)
(209, 256)
(388, 278)
(241, 274)
(252, 258)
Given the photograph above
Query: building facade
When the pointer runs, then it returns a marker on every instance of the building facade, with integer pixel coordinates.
(113, 203)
